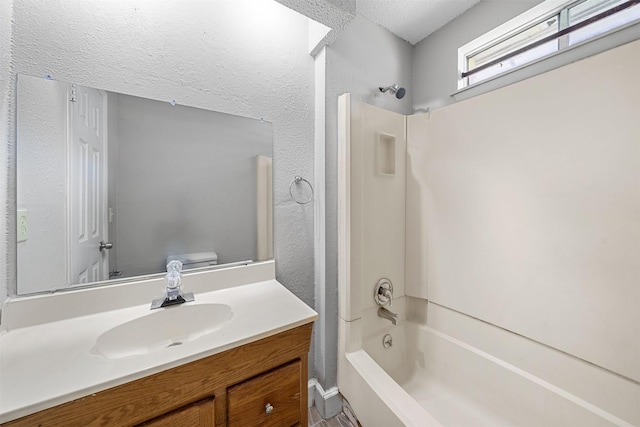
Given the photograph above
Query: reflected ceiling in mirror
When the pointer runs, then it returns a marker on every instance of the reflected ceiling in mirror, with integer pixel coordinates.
(110, 185)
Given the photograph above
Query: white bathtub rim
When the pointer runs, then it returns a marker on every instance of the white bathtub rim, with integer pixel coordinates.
(611, 391)
(401, 403)
(528, 376)
(411, 413)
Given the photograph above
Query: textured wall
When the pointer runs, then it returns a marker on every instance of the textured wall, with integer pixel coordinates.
(7, 151)
(364, 57)
(435, 62)
(241, 57)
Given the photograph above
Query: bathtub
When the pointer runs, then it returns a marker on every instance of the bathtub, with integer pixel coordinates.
(430, 378)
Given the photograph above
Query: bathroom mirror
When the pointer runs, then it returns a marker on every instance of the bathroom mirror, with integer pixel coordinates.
(110, 185)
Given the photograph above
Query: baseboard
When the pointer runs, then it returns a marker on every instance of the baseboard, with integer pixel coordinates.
(348, 412)
(327, 402)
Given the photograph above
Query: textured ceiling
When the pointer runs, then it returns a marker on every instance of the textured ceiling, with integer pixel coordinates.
(412, 20)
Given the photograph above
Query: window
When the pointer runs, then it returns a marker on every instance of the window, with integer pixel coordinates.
(550, 27)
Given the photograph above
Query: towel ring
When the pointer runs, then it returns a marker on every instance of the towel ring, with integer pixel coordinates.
(297, 180)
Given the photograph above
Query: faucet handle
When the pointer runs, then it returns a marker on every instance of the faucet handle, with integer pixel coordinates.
(174, 279)
(388, 295)
(174, 265)
(383, 292)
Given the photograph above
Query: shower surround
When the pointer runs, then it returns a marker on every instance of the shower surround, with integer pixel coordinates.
(509, 225)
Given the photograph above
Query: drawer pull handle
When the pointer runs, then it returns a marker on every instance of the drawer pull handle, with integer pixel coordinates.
(268, 408)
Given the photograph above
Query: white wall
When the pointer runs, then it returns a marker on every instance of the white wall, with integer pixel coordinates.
(363, 58)
(247, 57)
(42, 183)
(532, 205)
(371, 205)
(435, 61)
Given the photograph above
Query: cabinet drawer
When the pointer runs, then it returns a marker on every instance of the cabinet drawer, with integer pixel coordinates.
(271, 399)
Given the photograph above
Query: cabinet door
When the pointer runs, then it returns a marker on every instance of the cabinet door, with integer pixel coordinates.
(270, 399)
(200, 414)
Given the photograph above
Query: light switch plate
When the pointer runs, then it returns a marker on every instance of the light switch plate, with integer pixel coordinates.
(22, 225)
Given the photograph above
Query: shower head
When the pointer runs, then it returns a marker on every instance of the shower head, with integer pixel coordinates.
(396, 90)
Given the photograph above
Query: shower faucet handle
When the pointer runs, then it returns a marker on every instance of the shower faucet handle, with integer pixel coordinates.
(387, 295)
(383, 292)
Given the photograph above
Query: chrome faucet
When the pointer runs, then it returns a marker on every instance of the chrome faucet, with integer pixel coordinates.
(387, 314)
(174, 287)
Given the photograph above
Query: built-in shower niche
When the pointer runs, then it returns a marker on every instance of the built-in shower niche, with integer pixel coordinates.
(385, 154)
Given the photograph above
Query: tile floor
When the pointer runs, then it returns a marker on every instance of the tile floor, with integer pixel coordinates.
(316, 420)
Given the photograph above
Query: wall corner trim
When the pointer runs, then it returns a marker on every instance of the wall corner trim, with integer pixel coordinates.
(327, 402)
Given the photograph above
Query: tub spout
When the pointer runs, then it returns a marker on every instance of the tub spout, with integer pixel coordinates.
(387, 314)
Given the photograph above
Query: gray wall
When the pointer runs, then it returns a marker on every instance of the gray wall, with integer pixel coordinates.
(364, 57)
(435, 60)
(186, 183)
(244, 57)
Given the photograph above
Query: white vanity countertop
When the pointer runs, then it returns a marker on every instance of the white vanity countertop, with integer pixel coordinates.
(47, 364)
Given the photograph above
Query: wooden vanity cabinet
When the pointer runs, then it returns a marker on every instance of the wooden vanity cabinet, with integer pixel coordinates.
(263, 383)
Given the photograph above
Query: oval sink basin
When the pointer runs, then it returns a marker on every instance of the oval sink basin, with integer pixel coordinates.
(162, 328)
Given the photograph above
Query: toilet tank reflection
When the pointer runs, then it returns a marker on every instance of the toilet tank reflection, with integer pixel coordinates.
(195, 260)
